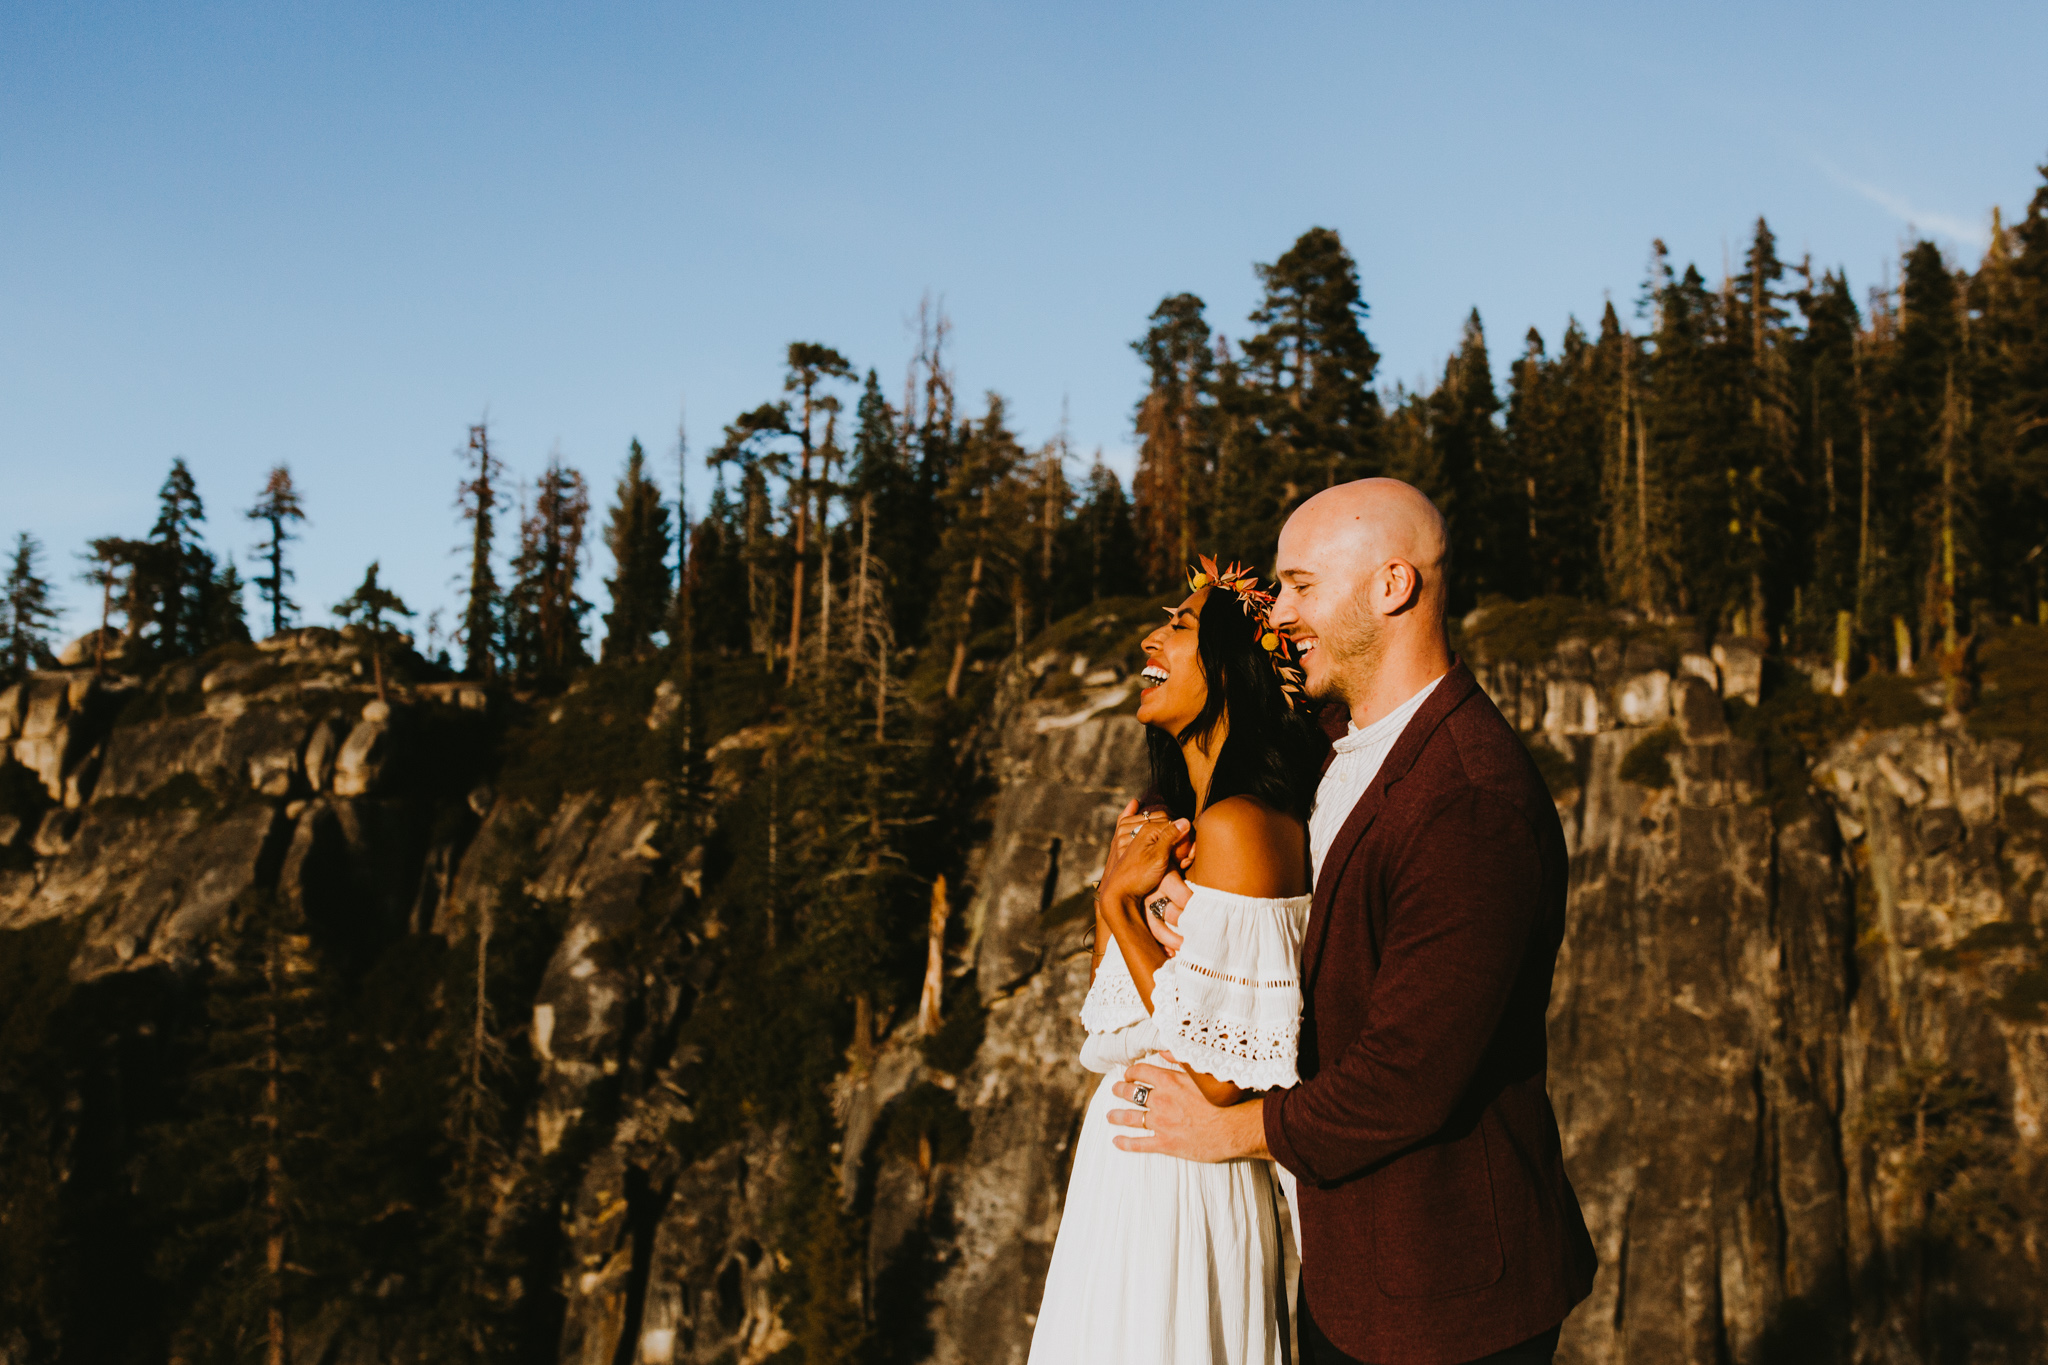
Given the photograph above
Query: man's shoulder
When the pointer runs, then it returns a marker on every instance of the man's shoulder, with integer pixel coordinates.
(1475, 753)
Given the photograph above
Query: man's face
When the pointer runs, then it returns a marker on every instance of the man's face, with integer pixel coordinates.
(1324, 607)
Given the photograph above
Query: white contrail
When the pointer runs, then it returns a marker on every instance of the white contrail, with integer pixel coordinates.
(1898, 206)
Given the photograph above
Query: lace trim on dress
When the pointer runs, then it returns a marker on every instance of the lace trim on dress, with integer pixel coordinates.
(1230, 1003)
(1113, 1001)
(1257, 1056)
(1285, 983)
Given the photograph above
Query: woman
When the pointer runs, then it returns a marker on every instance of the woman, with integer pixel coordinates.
(1161, 1261)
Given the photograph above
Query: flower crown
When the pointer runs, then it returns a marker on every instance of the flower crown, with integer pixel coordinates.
(1257, 604)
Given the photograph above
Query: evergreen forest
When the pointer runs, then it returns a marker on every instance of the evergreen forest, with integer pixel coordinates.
(335, 1109)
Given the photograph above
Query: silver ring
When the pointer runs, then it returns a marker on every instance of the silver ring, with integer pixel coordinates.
(1157, 909)
(1140, 1094)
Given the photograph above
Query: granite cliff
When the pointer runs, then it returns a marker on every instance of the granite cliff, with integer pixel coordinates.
(1798, 1045)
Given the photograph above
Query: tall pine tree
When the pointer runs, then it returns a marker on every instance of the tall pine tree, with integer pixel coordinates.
(278, 507)
(638, 539)
(26, 612)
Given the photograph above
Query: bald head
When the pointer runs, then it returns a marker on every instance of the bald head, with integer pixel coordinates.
(1362, 592)
(1370, 521)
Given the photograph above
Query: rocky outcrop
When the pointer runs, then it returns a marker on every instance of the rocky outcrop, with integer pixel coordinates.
(1765, 968)
(1798, 1047)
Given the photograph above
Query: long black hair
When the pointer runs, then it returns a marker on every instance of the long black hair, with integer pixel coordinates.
(1270, 750)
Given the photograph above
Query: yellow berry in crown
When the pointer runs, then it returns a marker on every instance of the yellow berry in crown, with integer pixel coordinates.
(1269, 641)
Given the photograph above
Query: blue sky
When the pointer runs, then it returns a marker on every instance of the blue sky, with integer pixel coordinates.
(336, 235)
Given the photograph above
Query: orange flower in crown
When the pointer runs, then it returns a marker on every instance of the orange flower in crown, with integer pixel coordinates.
(1258, 605)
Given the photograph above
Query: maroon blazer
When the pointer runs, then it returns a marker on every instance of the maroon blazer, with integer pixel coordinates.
(1437, 1223)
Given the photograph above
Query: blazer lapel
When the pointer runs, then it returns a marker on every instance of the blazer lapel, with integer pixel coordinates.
(1457, 685)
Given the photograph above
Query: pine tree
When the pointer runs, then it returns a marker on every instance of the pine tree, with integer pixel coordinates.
(1683, 443)
(750, 446)
(168, 574)
(638, 540)
(1832, 509)
(1926, 474)
(1098, 549)
(368, 607)
(980, 548)
(1480, 499)
(1631, 563)
(111, 563)
(884, 478)
(1555, 433)
(543, 612)
(1313, 367)
(1763, 472)
(810, 365)
(278, 506)
(222, 616)
(2011, 402)
(929, 427)
(26, 613)
(245, 1169)
(477, 497)
(1172, 425)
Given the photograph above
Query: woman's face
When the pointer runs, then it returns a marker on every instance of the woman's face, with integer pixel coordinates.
(1174, 689)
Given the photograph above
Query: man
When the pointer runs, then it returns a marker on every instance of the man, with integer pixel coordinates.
(1437, 1224)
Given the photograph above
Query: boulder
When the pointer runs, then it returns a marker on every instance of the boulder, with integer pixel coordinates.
(87, 648)
(361, 759)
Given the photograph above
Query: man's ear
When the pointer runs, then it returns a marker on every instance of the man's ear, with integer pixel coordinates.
(1400, 586)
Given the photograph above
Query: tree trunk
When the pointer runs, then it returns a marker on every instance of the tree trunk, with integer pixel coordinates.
(966, 626)
(1863, 499)
(273, 1168)
(934, 961)
(1844, 633)
(796, 599)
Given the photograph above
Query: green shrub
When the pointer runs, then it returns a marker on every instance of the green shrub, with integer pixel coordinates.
(1528, 633)
(1648, 761)
(2026, 998)
(2012, 700)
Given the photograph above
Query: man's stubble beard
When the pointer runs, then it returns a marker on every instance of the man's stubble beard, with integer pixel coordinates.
(1355, 643)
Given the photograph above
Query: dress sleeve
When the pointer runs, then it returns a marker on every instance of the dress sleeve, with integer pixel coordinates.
(1229, 1004)
(1119, 1029)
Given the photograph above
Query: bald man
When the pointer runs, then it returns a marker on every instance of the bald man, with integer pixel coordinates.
(1437, 1224)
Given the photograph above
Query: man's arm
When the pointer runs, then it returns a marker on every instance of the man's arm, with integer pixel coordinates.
(1464, 902)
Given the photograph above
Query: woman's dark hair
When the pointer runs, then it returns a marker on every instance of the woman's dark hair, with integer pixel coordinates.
(1271, 749)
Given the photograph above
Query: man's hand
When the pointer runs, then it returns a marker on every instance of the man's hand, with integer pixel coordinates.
(1177, 1121)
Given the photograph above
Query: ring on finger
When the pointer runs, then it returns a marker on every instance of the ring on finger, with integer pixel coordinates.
(1140, 1093)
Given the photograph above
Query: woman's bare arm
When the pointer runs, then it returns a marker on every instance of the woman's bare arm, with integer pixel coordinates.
(1245, 849)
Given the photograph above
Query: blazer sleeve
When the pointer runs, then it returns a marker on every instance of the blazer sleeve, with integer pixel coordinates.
(1463, 900)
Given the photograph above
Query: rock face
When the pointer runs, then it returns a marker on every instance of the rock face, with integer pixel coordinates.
(1772, 1005)
(1797, 1050)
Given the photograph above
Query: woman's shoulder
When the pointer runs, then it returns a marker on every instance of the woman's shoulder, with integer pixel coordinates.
(1244, 846)
(1246, 817)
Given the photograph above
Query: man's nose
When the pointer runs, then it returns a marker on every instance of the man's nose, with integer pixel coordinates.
(1282, 613)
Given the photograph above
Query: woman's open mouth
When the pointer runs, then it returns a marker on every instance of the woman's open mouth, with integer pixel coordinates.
(1152, 676)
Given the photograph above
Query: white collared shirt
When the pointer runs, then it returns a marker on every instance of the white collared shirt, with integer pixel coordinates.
(1359, 756)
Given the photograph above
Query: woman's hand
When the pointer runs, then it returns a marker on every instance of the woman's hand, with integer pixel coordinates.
(1128, 822)
(1152, 850)
(1171, 894)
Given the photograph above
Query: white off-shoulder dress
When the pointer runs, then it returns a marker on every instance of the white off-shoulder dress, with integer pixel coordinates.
(1161, 1261)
